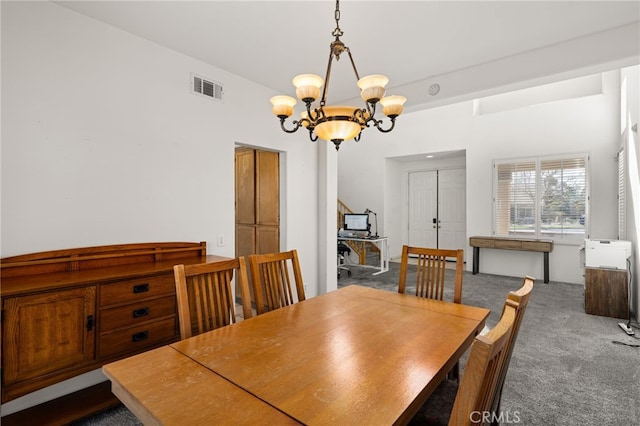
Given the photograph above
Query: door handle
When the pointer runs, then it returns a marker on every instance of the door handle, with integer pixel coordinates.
(90, 323)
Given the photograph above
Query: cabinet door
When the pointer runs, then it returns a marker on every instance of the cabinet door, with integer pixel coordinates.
(47, 332)
(267, 188)
(606, 292)
(245, 186)
(267, 239)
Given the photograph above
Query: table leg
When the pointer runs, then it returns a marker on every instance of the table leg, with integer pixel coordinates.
(476, 260)
(546, 267)
(384, 260)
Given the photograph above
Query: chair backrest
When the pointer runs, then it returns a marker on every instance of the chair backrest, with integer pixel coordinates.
(272, 275)
(519, 300)
(205, 296)
(430, 274)
(479, 382)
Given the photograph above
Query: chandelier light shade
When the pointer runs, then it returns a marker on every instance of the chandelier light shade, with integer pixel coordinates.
(372, 87)
(307, 86)
(332, 122)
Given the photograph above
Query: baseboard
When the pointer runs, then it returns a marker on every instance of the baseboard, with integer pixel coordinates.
(67, 408)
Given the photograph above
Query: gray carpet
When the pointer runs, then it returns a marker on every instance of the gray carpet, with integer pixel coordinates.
(565, 369)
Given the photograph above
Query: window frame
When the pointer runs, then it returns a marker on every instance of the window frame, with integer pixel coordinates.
(525, 164)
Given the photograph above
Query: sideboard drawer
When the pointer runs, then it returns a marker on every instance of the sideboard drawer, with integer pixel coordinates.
(138, 338)
(138, 289)
(136, 313)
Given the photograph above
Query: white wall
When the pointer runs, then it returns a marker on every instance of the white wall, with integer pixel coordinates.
(587, 124)
(630, 117)
(103, 143)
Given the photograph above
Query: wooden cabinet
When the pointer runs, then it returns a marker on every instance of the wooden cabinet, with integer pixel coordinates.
(45, 333)
(67, 312)
(606, 292)
(257, 202)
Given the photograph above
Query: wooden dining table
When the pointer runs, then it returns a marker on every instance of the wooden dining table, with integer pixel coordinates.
(357, 355)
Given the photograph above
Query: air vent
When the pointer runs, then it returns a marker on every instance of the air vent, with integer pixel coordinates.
(206, 87)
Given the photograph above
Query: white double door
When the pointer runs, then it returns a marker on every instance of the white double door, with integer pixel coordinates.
(437, 209)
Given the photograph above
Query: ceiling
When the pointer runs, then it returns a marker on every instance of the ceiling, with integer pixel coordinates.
(467, 48)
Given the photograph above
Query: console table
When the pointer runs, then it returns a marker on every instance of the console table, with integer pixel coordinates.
(504, 243)
(67, 312)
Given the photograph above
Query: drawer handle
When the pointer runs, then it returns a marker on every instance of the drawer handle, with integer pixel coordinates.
(142, 312)
(140, 288)
(139, 336)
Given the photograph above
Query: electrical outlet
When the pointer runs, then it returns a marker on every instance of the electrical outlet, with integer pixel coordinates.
(220, 240)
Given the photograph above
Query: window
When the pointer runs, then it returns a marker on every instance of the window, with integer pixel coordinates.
(541, 197)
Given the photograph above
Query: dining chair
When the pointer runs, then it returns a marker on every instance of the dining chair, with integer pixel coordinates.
(481, 386)
(430, 271)
(431, 276)
(275, 277)
(519, 299)
(205, 296)
(469, 402)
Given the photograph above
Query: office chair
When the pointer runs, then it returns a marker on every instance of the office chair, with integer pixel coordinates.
(342, 250)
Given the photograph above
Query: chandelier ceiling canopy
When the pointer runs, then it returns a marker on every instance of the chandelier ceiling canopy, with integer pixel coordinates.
(337, 123)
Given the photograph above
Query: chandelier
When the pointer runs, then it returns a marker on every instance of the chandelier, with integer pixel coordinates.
(337, 123)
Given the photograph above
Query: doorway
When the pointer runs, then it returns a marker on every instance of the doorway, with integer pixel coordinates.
(437, 208)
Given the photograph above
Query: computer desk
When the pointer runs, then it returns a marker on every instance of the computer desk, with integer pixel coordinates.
(381, 243)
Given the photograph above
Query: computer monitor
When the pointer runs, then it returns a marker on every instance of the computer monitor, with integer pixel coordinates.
(356, 222)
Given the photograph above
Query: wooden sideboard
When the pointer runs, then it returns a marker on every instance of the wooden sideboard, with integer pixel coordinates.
(67, 312)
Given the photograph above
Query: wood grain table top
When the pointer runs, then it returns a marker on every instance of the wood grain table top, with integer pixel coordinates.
(353, 356)
(164, 387)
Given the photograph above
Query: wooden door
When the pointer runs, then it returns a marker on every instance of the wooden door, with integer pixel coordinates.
(245, 202)
(257, 202)
(267, 202)
(47, 332)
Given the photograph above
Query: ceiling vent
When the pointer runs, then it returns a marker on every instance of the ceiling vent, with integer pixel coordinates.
(206, 87)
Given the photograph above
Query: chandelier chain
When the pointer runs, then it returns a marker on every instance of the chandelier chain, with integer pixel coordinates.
(337, 32)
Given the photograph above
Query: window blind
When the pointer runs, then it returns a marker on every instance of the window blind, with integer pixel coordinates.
(515, 199)
(541, 197)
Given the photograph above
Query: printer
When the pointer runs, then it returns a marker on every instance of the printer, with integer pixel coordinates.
(612, 254)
